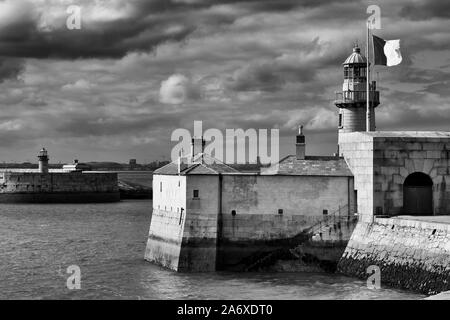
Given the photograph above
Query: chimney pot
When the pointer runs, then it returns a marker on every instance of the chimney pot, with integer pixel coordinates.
(198, 146)
(300, 145)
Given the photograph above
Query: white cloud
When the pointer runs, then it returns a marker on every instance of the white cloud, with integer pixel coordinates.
(13, 125)
(178, 89)
(80, 85)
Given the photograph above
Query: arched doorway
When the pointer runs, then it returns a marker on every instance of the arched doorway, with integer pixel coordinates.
(418, 194)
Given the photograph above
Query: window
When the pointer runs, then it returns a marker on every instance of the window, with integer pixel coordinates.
(160, 186)
(350, 73)
(340, 120)
(325, 211)
(280, 211)
(345, 72)
(179, 183)
(233, 212)
(195, 193)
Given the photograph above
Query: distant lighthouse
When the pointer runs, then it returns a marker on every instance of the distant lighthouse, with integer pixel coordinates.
(351, 101)
(43, 161)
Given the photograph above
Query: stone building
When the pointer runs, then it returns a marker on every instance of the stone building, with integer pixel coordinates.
(400, 172)
(403, 194)
(211, 216)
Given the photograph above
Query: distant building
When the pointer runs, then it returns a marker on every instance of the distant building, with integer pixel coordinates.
(72, 184)
(132, 164)
(76, 167)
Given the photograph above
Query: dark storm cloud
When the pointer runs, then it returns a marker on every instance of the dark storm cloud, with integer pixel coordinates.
(79, 125)
(440, 88)
(10, 68)
(426, 10)
(104, 40)
(142, 30)
(272, 74)
(255, 77)
(145, 27)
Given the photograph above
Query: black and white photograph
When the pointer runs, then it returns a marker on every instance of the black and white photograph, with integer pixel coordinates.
(240, 152)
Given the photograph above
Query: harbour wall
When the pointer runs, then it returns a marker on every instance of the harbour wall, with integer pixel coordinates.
(50, 187)
(411, 254)
(236, 216)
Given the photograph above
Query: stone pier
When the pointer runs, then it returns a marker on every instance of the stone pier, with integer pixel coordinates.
(411, 252)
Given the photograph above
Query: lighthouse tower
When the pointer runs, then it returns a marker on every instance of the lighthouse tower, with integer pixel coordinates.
(351, 101)
(43, 161)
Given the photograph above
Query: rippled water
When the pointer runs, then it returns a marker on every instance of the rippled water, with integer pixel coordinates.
(107, 241)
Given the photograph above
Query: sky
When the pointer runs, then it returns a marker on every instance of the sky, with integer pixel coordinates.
(137, 70)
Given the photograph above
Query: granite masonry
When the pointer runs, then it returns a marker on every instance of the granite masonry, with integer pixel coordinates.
(403, 199)
(411, 253)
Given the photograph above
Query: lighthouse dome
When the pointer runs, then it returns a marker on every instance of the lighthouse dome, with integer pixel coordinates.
(356, 57)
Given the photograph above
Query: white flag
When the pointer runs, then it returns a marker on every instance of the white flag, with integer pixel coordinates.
(392, 52)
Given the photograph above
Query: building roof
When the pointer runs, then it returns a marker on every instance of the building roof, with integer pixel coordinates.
(405, 136)
(248, 167)
(408, 134)
(356, 57)
(310, 166)
(206, 165)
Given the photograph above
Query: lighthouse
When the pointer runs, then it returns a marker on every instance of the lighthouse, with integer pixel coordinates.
(43, 161)
(351, 101)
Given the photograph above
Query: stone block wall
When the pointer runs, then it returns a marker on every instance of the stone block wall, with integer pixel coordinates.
(165, 238)
(396, 158)
(357, 150)
(294, 195)
(208, 236)
(199, 243)
(32, 182)
(58, 187)
(354, 119)
(380, 163)
(411, 254)
(183, 230)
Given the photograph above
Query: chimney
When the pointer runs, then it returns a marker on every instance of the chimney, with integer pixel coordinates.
(197, 146)
(300, 144)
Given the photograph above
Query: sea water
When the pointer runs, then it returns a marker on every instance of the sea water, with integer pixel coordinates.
(107, 242)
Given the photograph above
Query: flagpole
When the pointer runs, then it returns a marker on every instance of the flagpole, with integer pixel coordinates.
(367, 83)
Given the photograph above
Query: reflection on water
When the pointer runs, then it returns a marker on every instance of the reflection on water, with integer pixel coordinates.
(107, 241)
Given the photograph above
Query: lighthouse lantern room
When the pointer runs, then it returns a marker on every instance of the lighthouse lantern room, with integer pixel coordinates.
(351, 101)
